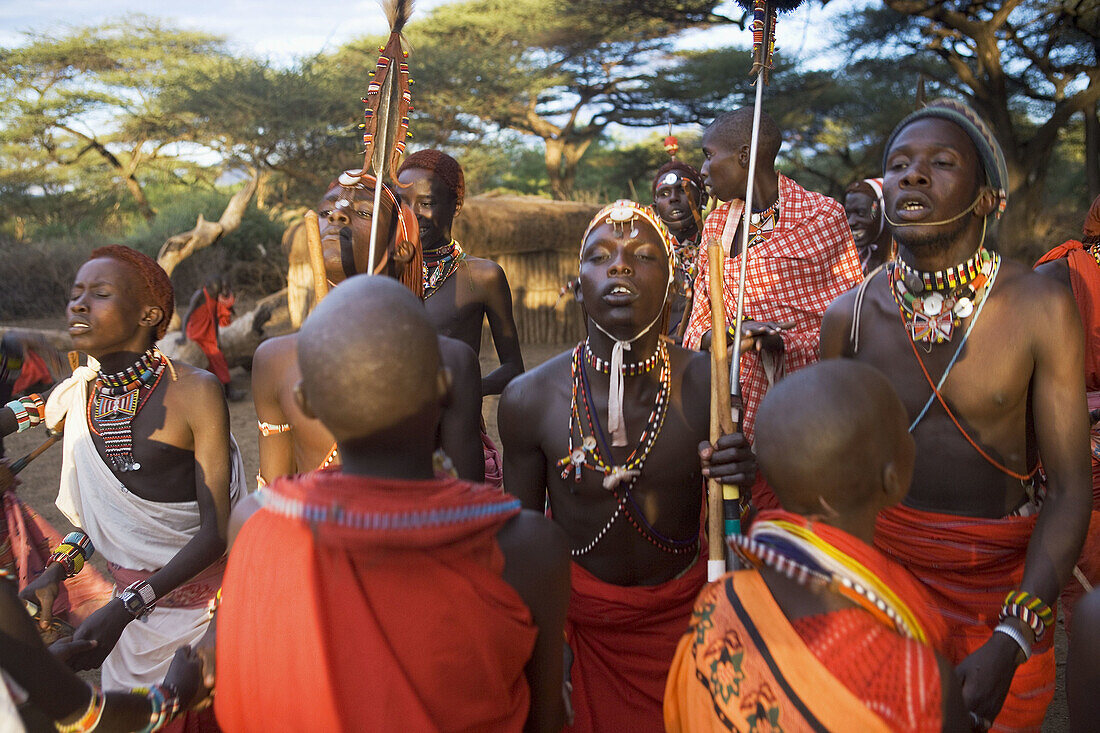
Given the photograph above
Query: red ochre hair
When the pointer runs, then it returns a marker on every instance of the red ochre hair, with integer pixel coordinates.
(160, 289)
(443, 166)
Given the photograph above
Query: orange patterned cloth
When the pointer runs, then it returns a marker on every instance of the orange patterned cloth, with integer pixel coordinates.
(360, 604)
(968, 565)
(742, 666)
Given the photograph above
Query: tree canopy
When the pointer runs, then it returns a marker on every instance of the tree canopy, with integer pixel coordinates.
(538, 96)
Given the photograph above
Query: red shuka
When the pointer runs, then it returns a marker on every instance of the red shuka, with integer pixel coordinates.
(968, 565)
(391, 614)
(202, 329)
(623, 639)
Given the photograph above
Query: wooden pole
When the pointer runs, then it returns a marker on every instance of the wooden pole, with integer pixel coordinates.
(721, 418)
(316, 257)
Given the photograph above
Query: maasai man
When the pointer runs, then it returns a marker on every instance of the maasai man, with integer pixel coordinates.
(679, 198)
(423, 602)
(290, 441)
(801, 257)
(822, 628)
(50, 689)
(1077, 266)
(867, 220)
(460, 291)
(987, 357)
(149, 473)
(611, 432)
(211, 308)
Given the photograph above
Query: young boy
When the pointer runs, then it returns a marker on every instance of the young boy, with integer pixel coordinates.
(383, 596)
(821, 628)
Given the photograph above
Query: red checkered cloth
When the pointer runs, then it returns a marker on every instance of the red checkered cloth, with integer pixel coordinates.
(807, 261)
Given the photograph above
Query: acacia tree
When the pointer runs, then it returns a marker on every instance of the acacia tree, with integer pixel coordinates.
(1030, 67)
(90, 94)
(539, 67)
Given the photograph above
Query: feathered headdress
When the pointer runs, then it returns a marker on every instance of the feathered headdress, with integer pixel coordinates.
(388, 101)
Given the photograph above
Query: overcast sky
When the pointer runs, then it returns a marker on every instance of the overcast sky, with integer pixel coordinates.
(284, 29)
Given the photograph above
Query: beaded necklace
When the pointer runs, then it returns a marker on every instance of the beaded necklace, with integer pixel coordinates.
(629, 370)
(1094, 250)
(685, 257)
(116, 400)
(934, 303)
(594, 447)
(799, 554)
(440, 266)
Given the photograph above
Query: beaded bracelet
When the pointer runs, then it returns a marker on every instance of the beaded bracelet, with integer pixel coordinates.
(91, 717)
(164, 704)
(35, 406)
(1013, 633)
(22, 417)
(72, 553)
(1030, 609)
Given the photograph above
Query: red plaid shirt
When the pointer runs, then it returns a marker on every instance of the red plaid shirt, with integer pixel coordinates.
(807, 261)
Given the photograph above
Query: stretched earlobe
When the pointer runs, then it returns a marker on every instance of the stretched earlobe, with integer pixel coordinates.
(152, 316)
(987, 202)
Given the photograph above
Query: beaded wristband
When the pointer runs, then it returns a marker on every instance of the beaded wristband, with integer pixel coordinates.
(1018, 600)
(164, 704)
(36, 408)
(22, 417)
(1025, 614)
(1013, 633)
(72, 553)
(91, 717)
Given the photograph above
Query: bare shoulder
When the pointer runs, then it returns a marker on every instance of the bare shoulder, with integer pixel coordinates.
(272, 357)
(193, 386)
(529, 386)
(486, 272)
(695, 368)
(1032, 290)
(534, 544)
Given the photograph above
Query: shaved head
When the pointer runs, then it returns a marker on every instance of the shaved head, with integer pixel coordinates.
(734, 129)
(370, 363)
(835, 431)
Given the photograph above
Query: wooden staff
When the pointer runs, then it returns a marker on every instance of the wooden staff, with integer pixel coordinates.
(316, 257)
(721, 416)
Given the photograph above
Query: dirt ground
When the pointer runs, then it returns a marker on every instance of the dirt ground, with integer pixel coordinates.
(40, 481)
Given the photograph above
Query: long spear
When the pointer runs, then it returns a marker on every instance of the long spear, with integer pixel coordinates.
(722, 403)
(386, 119)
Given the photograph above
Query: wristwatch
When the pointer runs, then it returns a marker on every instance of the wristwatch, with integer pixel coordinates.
(138, 599)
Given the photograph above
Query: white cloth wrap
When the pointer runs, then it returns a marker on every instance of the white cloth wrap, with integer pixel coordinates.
(129, 531)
